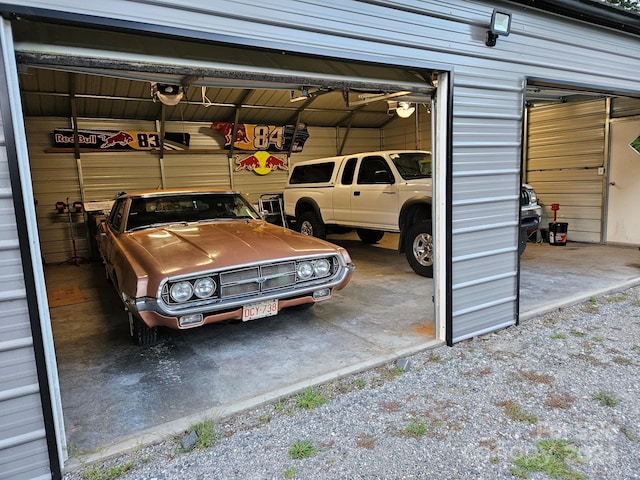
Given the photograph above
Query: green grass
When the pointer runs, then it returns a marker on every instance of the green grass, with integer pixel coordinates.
(289, 473)
(302, 449)
(606, 399)
(106, 473)
(558, 336)
(416, 428)
(551, 457)
(310, 399)
(515, 412)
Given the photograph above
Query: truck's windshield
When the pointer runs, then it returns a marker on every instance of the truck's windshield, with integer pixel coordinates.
(412, 165)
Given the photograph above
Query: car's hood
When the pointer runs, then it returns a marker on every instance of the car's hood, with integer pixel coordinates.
(178, 249)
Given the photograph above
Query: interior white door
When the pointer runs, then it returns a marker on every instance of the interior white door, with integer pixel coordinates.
(623, 223)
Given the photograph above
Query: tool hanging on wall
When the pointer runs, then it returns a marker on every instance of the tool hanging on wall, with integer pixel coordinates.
(75, 207)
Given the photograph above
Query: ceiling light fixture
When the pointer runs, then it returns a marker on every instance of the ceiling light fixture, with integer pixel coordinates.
(500, 25)
(166, 93)
(404, 110)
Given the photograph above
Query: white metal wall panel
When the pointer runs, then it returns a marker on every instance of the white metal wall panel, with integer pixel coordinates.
(487, 118)
(566, 148)
(23, 445)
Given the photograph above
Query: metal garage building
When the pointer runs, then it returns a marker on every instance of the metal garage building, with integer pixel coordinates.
(478, 120)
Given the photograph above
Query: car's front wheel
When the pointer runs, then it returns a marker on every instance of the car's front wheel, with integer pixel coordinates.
(311, 224)
(369, 236)
(142, 335)
(419, 248)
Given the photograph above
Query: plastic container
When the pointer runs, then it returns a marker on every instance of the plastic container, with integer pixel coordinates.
(558, 233)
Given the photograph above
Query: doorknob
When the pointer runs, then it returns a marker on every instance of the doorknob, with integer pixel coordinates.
(612, 183)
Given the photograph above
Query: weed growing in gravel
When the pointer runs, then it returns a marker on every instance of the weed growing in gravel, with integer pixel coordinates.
(310, 399)
(394, 372)
(577, 333)
(289, 473)
(535, 377)
(558, 336)
(107, 473)
(366, 441)
(391, 406)
(620, 297)
(559, 400)
(360, 383)
(515, 412)
(606, 399)
(592, 307)
(622, 361)
(302, 449)
(416, 428)
(264, 418)
(205, 434)
(550, 457)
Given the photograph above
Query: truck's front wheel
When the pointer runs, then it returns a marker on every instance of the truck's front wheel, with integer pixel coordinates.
(419, 248)
(310, 224)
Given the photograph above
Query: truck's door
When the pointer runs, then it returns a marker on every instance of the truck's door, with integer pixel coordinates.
(342, 192)
(374, 199)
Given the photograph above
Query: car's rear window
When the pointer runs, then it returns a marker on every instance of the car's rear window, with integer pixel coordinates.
(315, 173)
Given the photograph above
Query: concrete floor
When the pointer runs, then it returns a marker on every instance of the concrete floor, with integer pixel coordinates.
(116, 396)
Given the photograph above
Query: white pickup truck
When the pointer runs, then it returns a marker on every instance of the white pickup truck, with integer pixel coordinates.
(374, 193)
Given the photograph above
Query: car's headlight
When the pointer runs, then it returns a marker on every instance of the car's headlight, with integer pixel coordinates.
(181, 291)
(304, 270)
(204, 287)
(321, 267)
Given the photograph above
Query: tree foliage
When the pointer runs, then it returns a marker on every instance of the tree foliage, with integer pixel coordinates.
(627, 5)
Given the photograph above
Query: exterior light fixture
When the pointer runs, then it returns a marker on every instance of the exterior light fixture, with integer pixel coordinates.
(500, 25)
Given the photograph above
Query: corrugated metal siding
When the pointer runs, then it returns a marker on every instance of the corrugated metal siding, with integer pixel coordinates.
(566, 146)
(23, 446)
(625, 107)
(404, 133)
(487, 119)
(58, 176)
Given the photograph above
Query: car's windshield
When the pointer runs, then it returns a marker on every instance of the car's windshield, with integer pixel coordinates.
(187, 207)
(412, 165)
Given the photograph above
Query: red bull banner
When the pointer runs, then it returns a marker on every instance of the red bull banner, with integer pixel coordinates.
(120, 139)
(260, 163)
(263, 137)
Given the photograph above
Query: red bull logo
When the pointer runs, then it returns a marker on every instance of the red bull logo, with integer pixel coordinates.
(260, 163)
(121, 138)
(226, 130)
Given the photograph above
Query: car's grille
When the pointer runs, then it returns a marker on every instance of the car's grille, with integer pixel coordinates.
(525, 197)
(249, 281)
(257, 279)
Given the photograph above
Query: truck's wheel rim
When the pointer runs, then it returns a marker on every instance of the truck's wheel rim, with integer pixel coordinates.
(306, 229)
(423, 249)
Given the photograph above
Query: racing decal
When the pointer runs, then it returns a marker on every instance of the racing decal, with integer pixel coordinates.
(262, 137)
(120, 139)
(260, 163)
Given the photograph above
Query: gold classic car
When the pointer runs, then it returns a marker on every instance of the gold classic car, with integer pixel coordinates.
(185, 258)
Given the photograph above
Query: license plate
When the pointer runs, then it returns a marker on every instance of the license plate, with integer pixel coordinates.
(267, 308)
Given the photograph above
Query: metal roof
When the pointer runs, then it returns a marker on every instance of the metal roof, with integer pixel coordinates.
(110, 75)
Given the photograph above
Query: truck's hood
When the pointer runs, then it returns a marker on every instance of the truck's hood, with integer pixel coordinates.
(178, 249)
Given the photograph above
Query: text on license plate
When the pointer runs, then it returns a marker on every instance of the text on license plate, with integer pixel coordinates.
(266, 308)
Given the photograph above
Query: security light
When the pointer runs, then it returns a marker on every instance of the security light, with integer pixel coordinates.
(500, 25)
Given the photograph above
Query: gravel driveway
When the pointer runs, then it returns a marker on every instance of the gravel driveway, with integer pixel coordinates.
(556, 397)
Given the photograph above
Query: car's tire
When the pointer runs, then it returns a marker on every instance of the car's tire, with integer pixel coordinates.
(142, 335)
(419, 248)
(369, 236)
(311, 224)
